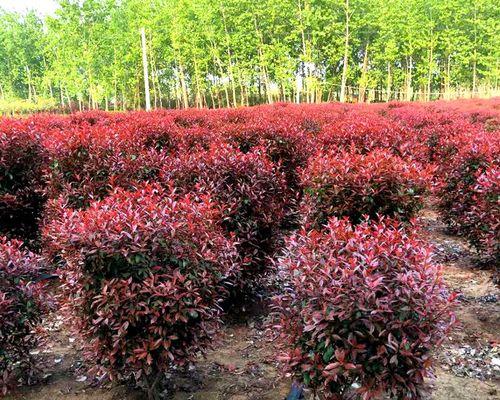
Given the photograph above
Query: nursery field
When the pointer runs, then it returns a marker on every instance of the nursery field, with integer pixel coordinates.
(326, 251)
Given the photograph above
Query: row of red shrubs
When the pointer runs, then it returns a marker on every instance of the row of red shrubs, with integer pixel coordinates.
(154, 220)
(22, 303)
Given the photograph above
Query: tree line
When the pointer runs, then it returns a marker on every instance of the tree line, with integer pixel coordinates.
(225, 53)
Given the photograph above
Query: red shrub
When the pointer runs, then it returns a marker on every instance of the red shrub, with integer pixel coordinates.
(481, 223)
(361, 304)
(440, 143)
(90, 118)
(362, 131)
(251, 192)
(285, 142)
(353, 185)
(87, 162)
(145, 272)
(286, 137)
(21, 307)
(436, 131)
(457, 192)
(159, 130)
(22, 160)
(289, 150)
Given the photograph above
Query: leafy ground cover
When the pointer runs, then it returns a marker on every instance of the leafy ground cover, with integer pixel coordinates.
(339, 245)
(242, 366)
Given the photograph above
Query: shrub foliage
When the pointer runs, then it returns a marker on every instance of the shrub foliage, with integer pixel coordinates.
(145, 273)
(361, 305)
(250, 190)
(469, 192)
(22, 159)
(153, 219)
(21, 307)
(352, 185)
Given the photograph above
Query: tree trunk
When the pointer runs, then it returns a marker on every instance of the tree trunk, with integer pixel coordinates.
(230, 59)
(115, 82)
(474, 61)
(155, 94)
(199, 99)
(474, 76)
(263, 68)
(267, 85)
(306, 62)
(389, 82)
(68, 99)
(158, 85)
(115, 98)
(447, 78)
(212, 99)
(28, 75)
(184, 93)
(346, 54)
(496, 76)
(62, 96)
(153, 72)
(362, 85)
(429, 74)
(145, 68)
(409, 67)
(156, 79)
(219, 100)
(231, 78)
(244, 100)
(221, 71)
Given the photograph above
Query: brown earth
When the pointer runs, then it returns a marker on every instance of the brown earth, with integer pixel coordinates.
(242, 364)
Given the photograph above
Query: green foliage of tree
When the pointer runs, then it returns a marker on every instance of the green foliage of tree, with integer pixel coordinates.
(218, 53)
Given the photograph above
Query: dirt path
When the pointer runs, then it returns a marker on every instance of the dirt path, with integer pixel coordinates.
(469, 363)
(242, 365)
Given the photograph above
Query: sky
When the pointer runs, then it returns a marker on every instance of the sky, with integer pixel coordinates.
(44, 7)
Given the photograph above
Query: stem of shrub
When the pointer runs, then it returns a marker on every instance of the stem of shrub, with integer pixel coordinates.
(153, 386)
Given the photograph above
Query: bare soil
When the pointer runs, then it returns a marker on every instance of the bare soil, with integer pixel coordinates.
(242, 365)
